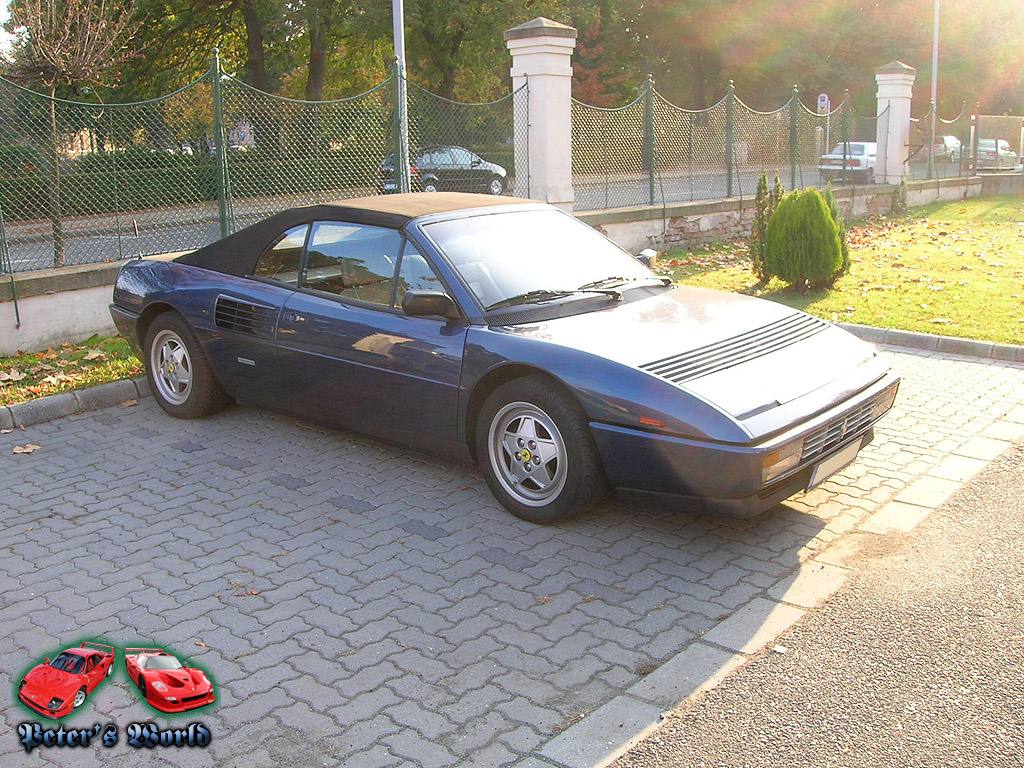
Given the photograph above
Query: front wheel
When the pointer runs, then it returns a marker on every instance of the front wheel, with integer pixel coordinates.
(535, 447)
(178, 372)
(497, 186)
(80, 696)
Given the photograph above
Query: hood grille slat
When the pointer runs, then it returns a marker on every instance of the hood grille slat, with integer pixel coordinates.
(735, 350)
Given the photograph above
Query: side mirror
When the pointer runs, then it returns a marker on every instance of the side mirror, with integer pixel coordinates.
(424, 303)
(47, 659)
(648, 257)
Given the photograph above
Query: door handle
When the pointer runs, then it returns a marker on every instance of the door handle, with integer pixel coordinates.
(294, 317)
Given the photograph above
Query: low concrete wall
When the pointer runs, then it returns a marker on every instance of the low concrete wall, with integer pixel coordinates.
(57, 305)
(685, 225)
(70, 304)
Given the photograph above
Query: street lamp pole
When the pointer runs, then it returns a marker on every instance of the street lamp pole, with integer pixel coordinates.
(935, 89)
(402, 156)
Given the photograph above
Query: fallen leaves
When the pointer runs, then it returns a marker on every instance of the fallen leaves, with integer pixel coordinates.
(27, 448)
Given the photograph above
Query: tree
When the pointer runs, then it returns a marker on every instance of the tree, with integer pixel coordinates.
(76, 42)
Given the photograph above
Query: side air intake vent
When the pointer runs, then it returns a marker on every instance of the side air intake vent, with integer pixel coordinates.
(244, 317)
(736, 350)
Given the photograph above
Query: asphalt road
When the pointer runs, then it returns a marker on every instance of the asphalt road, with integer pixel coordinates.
(110, 237)
(917, 662)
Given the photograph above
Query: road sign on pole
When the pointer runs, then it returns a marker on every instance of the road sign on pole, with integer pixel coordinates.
(824, 107)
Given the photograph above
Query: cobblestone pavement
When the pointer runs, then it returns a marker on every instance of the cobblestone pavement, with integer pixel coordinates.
(361, 605)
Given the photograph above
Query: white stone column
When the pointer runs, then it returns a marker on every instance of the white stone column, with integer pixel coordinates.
(541, 59)
(895, 88)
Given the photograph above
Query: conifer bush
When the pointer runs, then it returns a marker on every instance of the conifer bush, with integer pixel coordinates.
(765, 202)
(802, 245)
(844, 245)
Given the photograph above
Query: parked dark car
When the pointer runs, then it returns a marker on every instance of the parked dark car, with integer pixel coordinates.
(510, 333)
(449, 169)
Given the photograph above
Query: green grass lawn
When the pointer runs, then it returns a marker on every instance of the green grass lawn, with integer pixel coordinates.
(70, 366)
(955, 269)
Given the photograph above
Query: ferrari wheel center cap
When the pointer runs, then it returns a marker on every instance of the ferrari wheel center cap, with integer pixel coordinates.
(525, 455)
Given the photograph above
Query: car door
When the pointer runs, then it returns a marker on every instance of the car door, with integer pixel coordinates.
(469, 175)
(352, 357)
(94, 672)
(244, 355)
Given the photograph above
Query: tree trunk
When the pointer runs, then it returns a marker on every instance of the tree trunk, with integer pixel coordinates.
(257, 60)
(55, 213)
(319, 41)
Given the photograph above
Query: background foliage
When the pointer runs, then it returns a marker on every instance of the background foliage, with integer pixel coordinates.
(314, 49)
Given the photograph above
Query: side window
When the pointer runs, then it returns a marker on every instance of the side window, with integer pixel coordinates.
(90, 663)
(353, 261)
(281, 260)
(463, 156)
(415, 273)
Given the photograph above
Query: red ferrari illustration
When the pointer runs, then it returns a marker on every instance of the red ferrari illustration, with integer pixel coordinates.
(165, 682)
(55, 688)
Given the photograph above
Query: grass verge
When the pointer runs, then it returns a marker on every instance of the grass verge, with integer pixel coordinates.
(69, 366)
(955, 269)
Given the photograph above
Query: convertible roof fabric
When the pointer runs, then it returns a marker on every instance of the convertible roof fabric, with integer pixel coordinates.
(237, 253)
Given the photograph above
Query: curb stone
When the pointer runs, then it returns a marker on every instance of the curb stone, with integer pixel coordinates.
(950, 345)
(52, 407)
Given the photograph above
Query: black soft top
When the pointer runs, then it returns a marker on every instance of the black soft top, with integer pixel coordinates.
(237, 253)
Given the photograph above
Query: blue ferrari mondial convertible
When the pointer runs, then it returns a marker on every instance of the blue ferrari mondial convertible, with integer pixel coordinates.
(507, 332)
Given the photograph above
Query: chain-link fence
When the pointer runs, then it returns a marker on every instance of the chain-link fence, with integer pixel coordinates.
(652, 152)
(944, 153)
(92, 182)
(999, 141)
(468, 147)
(282, 153)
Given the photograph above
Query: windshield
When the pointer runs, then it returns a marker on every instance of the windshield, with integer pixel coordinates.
(162, 662)
(69, 662)
(851, 149)
(505, 255)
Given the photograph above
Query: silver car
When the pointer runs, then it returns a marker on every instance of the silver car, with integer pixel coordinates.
(853, 159)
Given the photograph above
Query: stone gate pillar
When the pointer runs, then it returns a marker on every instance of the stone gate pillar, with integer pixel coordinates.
(895, 88)
(541, 58)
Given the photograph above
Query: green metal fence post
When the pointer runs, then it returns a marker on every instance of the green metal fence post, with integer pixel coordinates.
(649, 137)
(396, 125)
(846, 130)
(221, 166)
(730, 97)
(794, 105)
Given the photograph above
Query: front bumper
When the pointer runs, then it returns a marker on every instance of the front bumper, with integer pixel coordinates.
(179, 706)
(57, 714)
(727, 479)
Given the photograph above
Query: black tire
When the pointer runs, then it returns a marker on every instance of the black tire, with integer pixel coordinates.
(553, 476)
(431, 185)
(171, 350)
(496, 186)
(142, 686)
(75, 703)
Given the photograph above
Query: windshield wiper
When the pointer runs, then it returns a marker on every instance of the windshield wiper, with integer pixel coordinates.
(608, 281)
(547, 294)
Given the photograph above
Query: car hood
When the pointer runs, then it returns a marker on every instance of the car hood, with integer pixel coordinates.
(742, 355)
(44, 682)
(182, 681)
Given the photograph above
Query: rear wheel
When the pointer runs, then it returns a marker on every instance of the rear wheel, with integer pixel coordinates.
(178, 372)
(497, 186)
(538, 455)
(430, 186)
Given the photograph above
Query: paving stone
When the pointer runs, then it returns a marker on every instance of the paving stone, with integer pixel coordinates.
(601, 736)
(382, 588)
(754, 626)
